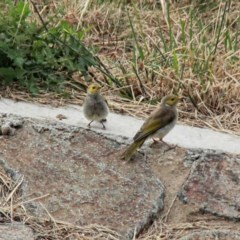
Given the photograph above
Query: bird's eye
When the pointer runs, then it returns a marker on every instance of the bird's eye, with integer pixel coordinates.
(172, 99)
(93, 87)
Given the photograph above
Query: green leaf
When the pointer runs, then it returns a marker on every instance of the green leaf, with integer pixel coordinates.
(175, 62)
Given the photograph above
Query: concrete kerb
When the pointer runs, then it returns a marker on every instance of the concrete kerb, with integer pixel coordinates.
(125, 126)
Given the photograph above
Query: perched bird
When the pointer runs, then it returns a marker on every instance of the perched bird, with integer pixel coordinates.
(157, 125)
(95, 107)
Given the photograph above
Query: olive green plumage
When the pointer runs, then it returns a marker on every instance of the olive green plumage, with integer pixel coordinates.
(158, 125)
(95, 107)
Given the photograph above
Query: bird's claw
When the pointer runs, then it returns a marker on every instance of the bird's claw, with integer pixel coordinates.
(104, 120)
(170, 147)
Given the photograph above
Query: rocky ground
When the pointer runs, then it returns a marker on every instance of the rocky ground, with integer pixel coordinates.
(76, 175)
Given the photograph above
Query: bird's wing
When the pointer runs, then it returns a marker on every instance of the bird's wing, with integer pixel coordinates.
(157, 120)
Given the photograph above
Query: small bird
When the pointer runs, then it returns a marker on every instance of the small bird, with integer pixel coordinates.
(157, 125)
(95, 107)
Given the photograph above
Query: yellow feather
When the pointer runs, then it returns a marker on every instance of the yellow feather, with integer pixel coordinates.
(128, 153)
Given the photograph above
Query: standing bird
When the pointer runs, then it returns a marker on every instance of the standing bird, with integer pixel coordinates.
(158, 125)
(95, 107)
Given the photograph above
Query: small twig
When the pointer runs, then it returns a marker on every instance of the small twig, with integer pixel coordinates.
(14, 190)
(165, 217)
(11, 209)
(4, 180)
(48, 213)
(33, 199)
(139, 80)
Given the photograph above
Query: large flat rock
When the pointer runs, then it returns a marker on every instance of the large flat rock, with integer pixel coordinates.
(83, 175)
(213, 184)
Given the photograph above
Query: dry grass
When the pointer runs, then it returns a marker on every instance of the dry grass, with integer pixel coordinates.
(217, 99)
(164, 231)
(161, 53)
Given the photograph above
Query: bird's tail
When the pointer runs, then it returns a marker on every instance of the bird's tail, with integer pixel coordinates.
(128, 153)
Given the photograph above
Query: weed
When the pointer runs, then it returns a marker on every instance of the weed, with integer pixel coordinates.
(37, 56)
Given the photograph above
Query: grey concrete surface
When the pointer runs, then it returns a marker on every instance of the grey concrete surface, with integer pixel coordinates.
(126, 126)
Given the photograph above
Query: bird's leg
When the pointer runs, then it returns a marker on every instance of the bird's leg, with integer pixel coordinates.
(164, 143)
(89, 125)
(103, 120)
(155, 141)
(170, 147)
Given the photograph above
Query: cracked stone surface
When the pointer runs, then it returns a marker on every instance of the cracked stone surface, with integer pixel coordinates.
(213, 184)
(77, 175)
(80, 177)
(9, 125)
(213, 235)
(15, 231)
